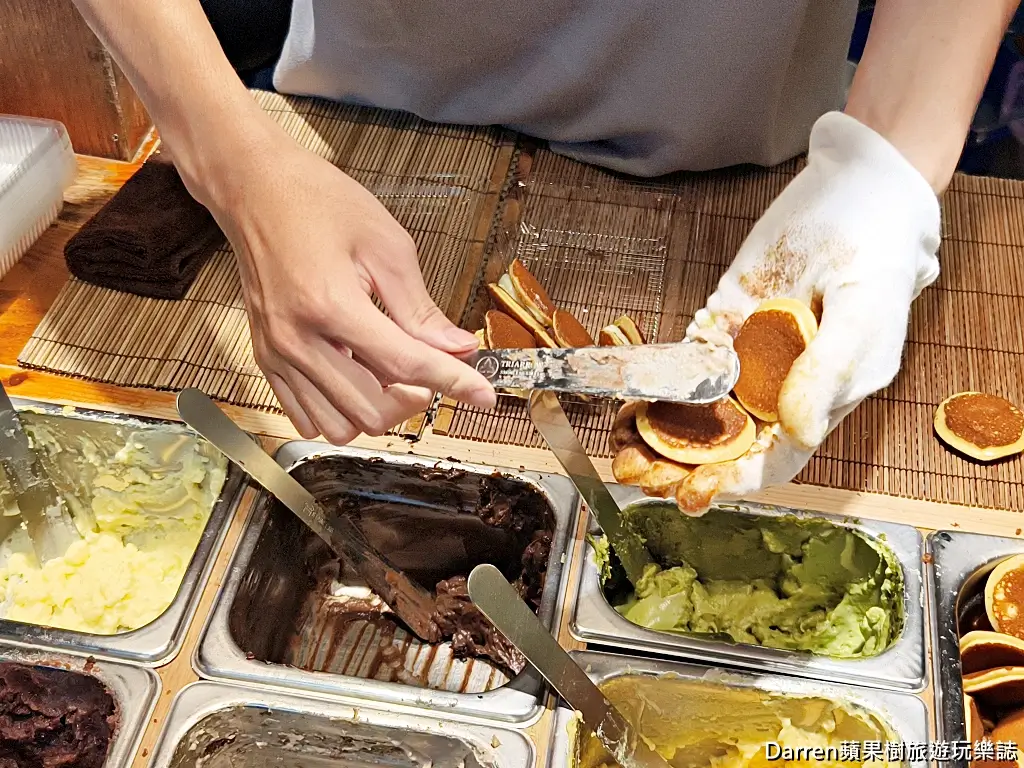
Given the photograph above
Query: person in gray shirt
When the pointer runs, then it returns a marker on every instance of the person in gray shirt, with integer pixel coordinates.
(643, 87)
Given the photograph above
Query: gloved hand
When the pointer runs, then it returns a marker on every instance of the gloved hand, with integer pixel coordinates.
(855, 236)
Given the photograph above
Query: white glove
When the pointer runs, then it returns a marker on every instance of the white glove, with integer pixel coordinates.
(856, 234)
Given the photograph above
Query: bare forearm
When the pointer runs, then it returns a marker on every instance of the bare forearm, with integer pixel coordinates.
(922, 74)
(173, 59)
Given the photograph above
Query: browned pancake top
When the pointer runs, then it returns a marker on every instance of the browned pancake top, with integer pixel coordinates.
(503, 332)
(696, 425)
(983, 420)
(767, 345)
(1008, 603)
(569, 331)
(531, 290)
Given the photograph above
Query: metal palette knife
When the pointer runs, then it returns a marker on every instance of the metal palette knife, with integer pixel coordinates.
(505, 609)
(694, 372)
(552, 423)
(43, 509)
(411, 603)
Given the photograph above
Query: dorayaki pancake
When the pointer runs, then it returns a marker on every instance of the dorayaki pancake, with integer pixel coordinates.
(767, 345)
(545, 339)
(505, 283)
(975, 727)
(631, 330)
(624, 431)
(631, 462)
(612, 336)
(568, 331)
(503, 332)
(662, 478)
(637, 464)
(1009, 730)
(506, 302)
(530, 293)
(996, 688)
(1004, 597)
(696, 434)
(987, 650)
(984, 427)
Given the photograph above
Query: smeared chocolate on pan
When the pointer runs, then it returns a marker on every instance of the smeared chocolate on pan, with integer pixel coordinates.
(435, 524)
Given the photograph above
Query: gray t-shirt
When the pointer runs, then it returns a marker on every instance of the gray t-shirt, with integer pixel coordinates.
(640, 86)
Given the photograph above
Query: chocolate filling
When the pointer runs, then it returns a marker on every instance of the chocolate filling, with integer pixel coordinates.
(435, 525)
(711, 424)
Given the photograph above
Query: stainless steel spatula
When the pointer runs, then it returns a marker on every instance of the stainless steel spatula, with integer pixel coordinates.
(693, 372)
(410, 602)
(552, 423)
(505, 609)
(44, 511)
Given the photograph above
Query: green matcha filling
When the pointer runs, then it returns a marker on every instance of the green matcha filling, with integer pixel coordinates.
(780, 582)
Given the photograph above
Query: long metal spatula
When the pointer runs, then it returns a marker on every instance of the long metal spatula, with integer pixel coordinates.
(505, 609)
(552, 423)
(410, 602)
(46, 516)
(693, 372)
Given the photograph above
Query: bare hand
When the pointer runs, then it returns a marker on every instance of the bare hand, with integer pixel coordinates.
(312, 244)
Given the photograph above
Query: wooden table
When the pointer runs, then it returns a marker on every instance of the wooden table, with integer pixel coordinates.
(30, 287)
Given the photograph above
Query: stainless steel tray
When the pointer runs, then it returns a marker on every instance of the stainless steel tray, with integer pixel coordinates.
(134, 688)
(211, 723)
(159, 641)
(959, 561)
(904, 713)
(900, 667)
(253, 612)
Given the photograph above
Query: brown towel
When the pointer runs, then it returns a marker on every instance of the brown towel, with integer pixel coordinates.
(150, 239)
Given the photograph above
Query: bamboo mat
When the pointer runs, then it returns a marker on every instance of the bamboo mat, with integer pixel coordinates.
(604, 245)
(441, 183)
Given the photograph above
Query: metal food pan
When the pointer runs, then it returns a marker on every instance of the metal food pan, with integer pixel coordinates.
(902, 666)
(276, 622)
(960, 562)
(134, 689)
(219, 725)
(905, 714)
(160, 640)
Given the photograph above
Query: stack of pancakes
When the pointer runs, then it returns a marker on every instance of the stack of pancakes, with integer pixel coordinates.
(992, 659)
(657, 445)
(524, 317)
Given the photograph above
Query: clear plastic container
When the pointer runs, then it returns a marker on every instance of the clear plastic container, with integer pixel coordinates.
(37, 165)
